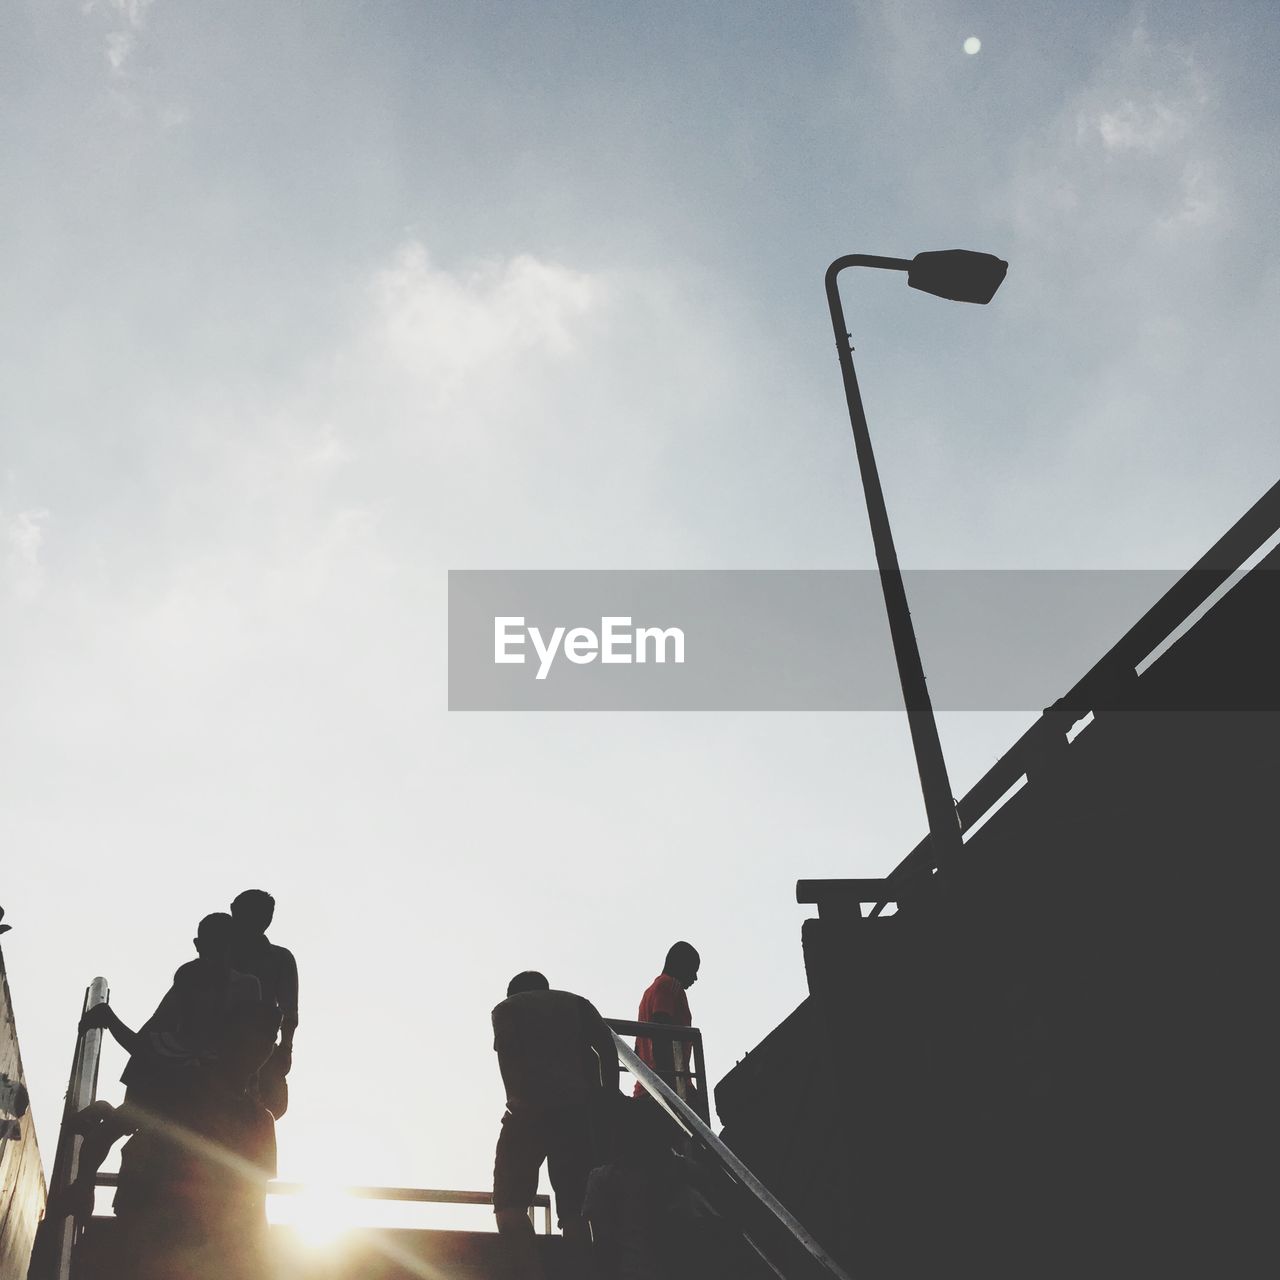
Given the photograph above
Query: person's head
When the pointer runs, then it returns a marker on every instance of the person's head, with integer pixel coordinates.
(529, 980)
(246, 1038)
(214, 938)
(253, 910)
(682, 964)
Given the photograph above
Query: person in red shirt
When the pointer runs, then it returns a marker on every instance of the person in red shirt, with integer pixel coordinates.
(665, 1001)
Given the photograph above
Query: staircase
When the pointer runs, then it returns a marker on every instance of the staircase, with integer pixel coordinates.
(742, 1232)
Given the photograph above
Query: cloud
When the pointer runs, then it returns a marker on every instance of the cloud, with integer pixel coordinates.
(21, 539)
(1133, 151)
(119, 46)
(444, 406)
(127, 18)
(1140, 233)
(469, 393)
(1145, 126)
(448, 328)
(131, 12)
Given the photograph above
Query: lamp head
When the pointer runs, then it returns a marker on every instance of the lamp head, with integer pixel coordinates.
(959, 274)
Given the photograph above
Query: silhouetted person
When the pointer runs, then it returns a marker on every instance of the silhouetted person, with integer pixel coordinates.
(277, 971)
(627, 1199)
(180, 1036)
(190, 1016)
(665, 1001)
(648, 1218)
(560, 1069)
(191, 1197)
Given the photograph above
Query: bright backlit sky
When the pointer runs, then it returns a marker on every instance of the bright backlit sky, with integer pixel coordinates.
(305, 304)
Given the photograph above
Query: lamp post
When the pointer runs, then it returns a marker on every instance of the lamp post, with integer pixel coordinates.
(962, 276)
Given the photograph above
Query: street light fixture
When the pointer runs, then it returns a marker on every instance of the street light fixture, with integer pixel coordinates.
(962, 276)
(958, 274)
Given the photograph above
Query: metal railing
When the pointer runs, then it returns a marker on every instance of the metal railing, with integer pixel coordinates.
(56, 1238)
(768, 1218)
(419, 1195)
(411, 1195)
(696, 1076)
(1105, 684)
(770, 1221)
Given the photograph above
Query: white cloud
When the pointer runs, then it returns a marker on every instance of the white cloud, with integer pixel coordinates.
(129, 11)
(127, 18)
(1152, 125)
(1133, 152)
(119, 46)
(448, 328)
(454, 400)
(1201, 204)
(21, 539)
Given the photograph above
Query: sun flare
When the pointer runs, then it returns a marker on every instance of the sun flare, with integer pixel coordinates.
(318, 1215)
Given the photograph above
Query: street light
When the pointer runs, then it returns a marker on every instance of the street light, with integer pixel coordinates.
(962, 276)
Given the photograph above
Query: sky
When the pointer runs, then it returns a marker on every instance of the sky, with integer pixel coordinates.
(305, 305)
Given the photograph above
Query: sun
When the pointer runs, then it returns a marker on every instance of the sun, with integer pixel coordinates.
(972, 45)
(318, 1215)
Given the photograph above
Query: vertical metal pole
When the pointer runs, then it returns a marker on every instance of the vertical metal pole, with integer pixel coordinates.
(939, 803)
(700, 1074)
(679, 1067)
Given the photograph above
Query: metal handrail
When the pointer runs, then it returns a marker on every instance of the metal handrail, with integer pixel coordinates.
(669, 1031)
(700, 1133)
(1226, 557)
(413, 1195)
(54, 1261)
(51, 1259)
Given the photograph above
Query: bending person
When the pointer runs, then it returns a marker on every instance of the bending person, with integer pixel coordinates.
(560, 1069)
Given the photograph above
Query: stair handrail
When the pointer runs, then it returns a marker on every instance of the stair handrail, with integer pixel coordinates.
(411, 1195)
(700, 1132)
(56, 1239)
(1226, 558)
(52, 1260)
(695, 1074)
